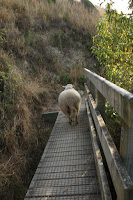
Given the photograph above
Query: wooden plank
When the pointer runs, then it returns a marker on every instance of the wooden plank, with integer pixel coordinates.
(67, 167)
(121, 180)
(64, 190)
(120, 99)
(105, 191)
(75, 197)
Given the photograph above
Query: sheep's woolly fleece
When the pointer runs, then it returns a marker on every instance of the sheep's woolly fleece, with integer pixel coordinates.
(69, 101)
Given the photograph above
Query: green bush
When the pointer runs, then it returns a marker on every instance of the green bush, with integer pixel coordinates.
(65, 78)
(50, 1)
(113, 46)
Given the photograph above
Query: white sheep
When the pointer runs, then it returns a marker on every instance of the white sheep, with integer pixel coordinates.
(69, 101)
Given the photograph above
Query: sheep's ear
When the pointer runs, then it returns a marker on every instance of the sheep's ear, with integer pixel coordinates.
(64, 87)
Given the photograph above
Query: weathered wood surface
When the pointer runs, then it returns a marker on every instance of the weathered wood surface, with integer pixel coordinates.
(121, 180)
(67, 167)
(120, 99)
(122, 102)
(104, 186)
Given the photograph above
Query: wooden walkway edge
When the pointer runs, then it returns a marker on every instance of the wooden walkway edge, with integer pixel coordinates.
(67, 167)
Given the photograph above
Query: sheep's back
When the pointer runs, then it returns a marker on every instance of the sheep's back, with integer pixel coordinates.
(68, 97)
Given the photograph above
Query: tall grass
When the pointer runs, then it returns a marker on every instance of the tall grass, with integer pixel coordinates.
(27, 82)
(75, 13)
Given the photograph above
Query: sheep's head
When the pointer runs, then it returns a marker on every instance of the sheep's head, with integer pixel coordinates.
(68, 86)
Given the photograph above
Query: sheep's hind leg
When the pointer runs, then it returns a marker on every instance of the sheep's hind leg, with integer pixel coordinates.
(77, 122)
(70, 121)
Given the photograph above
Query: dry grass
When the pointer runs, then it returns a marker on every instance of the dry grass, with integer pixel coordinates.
(31, 76)
(77, 75)
(26, 11)
(18, 129)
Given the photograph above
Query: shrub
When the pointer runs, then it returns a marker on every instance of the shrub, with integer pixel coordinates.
(113, 47)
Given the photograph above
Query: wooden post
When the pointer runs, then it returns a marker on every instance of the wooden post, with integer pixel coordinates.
(126, 147)
(100, 102)
(91, 88)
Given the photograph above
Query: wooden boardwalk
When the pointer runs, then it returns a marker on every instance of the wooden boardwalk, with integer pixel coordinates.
(67, 167)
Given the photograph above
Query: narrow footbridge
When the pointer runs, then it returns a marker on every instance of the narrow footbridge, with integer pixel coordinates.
(73, 163)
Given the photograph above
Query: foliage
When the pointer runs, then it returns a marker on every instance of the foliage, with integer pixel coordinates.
(61, 40)
(65, 78)
(9, 83)
(25, 30)
(2, 36)
(113, 123)
(77, 76)
(9, 80)
(50, 1)
(130, 3)
(113, 46)
(111, 113)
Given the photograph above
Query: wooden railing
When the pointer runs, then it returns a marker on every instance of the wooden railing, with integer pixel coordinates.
(120, 165)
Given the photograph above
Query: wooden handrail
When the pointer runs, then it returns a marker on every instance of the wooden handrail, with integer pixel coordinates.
(122, 101)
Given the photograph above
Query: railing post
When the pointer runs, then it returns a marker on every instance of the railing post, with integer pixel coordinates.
(91, 88)
(126, 147)
(100, 102)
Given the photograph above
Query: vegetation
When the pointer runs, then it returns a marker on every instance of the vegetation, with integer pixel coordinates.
(113, 46)
(44, 44)
(35, 39)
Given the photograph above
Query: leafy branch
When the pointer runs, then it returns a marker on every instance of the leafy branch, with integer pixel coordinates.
(113, 46)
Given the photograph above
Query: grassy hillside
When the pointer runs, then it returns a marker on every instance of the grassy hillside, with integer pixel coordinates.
(89, 6)
(42, 46)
